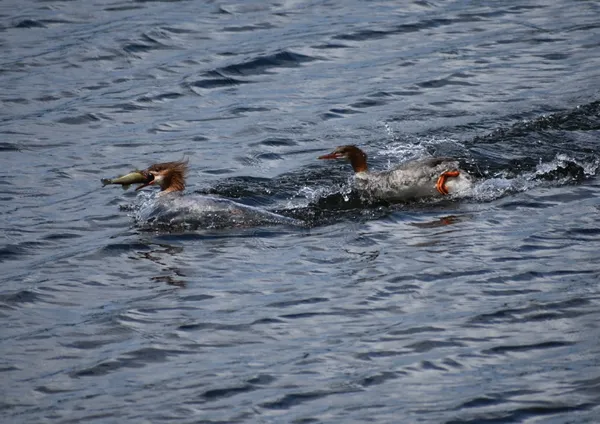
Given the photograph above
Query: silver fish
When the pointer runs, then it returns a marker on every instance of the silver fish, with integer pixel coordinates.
(135, 177)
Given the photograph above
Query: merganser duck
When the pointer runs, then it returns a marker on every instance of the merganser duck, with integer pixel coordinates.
(421, 178)
(171, 209)
(169, 176)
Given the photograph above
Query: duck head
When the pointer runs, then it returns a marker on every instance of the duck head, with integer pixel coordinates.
(169, 176)
(351, 153)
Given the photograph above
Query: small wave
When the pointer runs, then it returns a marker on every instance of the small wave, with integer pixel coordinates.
(9, 147)
(81, 119)
(253, 27)
(30, 23)
(275, 142)
(581, 118)
(193, 212)
(326, 46)
(288, 401)
(134, 359)
(13, 252)
(159, 97)
(215, 80)
(562, 170)
(441, 82)
(376, 34)
(20, 297)
(361, 104)
(261, 65)
(573, 131)
(215, 394)
(567, 169)
(157, 39)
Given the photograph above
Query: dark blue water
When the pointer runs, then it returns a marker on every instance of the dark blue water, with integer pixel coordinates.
(483, 309)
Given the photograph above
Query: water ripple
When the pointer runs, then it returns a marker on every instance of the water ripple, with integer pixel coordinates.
(480, 308)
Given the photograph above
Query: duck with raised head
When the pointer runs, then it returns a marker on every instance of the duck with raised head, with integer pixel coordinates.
(412, 180)
(171, 209)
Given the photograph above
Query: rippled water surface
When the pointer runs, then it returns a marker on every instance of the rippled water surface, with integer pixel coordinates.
(478, 309)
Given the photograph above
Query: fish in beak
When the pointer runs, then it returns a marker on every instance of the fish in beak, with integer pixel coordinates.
(135, 177)
(149, 181)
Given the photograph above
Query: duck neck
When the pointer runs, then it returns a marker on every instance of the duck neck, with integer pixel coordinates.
(175, 181)
(359, 162)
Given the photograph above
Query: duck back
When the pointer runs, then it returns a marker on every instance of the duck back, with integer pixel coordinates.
(411, 180)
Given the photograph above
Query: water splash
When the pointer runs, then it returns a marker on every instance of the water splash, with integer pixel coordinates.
(194, 212)
(488, 186)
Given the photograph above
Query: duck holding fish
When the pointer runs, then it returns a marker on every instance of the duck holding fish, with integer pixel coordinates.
(172, 210)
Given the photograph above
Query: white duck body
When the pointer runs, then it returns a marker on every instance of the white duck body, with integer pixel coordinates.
(413, 180)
